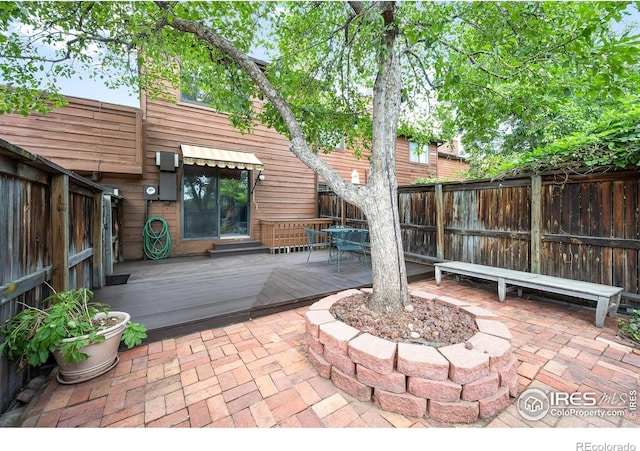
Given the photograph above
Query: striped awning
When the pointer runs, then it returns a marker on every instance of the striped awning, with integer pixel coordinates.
(209, 156)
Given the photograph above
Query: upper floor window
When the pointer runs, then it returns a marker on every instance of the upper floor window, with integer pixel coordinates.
(331, 141)
(194, 98)
(418, 153)
(189, 90)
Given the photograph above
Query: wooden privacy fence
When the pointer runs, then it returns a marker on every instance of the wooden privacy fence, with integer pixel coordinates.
(52, 232)
(577, 226)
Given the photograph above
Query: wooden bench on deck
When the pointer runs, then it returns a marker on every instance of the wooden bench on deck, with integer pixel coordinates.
(608, 297)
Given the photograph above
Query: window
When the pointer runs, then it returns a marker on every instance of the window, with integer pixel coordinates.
(190, 91)
(418, 153)
(329, 141)
(216, 87)
(215, 202)
(197, 98)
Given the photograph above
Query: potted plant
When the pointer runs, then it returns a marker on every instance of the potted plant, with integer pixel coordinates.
(83, 336)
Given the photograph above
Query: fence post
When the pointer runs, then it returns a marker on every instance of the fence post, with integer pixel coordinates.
(536, 220)
(439, 222)
(60, 231)
(102, 249)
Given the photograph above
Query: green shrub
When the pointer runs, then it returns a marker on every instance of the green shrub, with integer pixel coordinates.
(630, 328)
(614, 141)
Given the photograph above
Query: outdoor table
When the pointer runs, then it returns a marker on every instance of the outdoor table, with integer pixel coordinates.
(334, 233)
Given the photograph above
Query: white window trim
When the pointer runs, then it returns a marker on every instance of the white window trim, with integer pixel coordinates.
(423, 158)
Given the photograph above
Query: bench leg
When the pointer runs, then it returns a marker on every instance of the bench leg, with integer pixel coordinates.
(502, 289)
(438, 276)
(614, 304)
(601, 310)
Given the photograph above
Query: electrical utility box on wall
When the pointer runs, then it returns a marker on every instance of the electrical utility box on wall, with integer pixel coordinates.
(168, 163)
(151, 192)
(168, 186)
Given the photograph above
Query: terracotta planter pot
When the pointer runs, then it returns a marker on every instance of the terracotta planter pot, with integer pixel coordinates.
(102, 356)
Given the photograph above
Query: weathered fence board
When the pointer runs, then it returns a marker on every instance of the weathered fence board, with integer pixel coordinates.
(48, 224)
(577, 226)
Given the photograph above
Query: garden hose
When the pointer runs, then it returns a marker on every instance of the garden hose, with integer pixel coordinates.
(157, 245)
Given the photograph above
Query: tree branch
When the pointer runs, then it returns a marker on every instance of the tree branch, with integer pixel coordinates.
(298, 144)
(420, 65)
(357, 7)
(472, 60)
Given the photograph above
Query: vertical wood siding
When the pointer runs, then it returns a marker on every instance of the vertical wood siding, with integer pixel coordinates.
(593, 229)
(418, 217)
(25, 238)
(80, 237)
(488, 225)
(24, 216)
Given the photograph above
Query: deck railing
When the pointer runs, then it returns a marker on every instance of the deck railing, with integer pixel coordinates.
(288, 235)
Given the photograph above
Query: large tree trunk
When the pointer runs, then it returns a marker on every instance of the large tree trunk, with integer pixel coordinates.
(380, 205)
(378, 199)
(390, 290)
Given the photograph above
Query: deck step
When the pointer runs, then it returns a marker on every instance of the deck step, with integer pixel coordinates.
(237, 248)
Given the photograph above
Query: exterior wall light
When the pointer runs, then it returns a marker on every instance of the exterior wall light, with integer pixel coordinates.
(259, 178)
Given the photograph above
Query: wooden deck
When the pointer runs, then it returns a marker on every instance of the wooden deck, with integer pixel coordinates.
(177, 296)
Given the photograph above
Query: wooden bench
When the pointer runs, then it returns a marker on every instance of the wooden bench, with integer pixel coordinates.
(608, 297)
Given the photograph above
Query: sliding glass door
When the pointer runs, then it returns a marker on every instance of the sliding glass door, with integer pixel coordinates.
(215, 202)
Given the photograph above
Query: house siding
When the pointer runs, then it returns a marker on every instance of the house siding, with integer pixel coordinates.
(451, 164)
(451, 167)
(289, 188)
(408, 171)
(84, 136)
(117, 145)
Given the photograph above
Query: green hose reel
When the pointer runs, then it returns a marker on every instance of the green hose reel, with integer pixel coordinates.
(157, 243)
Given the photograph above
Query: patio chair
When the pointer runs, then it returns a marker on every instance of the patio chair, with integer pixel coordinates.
(331, 232)
(313, 236)
(352, 240)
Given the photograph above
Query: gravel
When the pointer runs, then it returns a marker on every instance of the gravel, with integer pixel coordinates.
(424, 321)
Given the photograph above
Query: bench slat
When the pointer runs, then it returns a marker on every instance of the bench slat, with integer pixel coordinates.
(592, 289)
(608, 297)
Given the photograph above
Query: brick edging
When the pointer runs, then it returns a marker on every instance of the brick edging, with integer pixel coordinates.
(454, 384)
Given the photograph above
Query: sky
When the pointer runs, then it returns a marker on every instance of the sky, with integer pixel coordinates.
(95, 90)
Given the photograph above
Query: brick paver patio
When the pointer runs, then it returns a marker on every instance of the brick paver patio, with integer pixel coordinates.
(256, 375)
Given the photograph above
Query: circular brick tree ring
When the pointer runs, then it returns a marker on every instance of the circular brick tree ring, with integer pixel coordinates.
(458, 383)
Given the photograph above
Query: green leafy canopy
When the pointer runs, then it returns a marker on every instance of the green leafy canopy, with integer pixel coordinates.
(362, 71)
(469, 68)
(612, 141)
